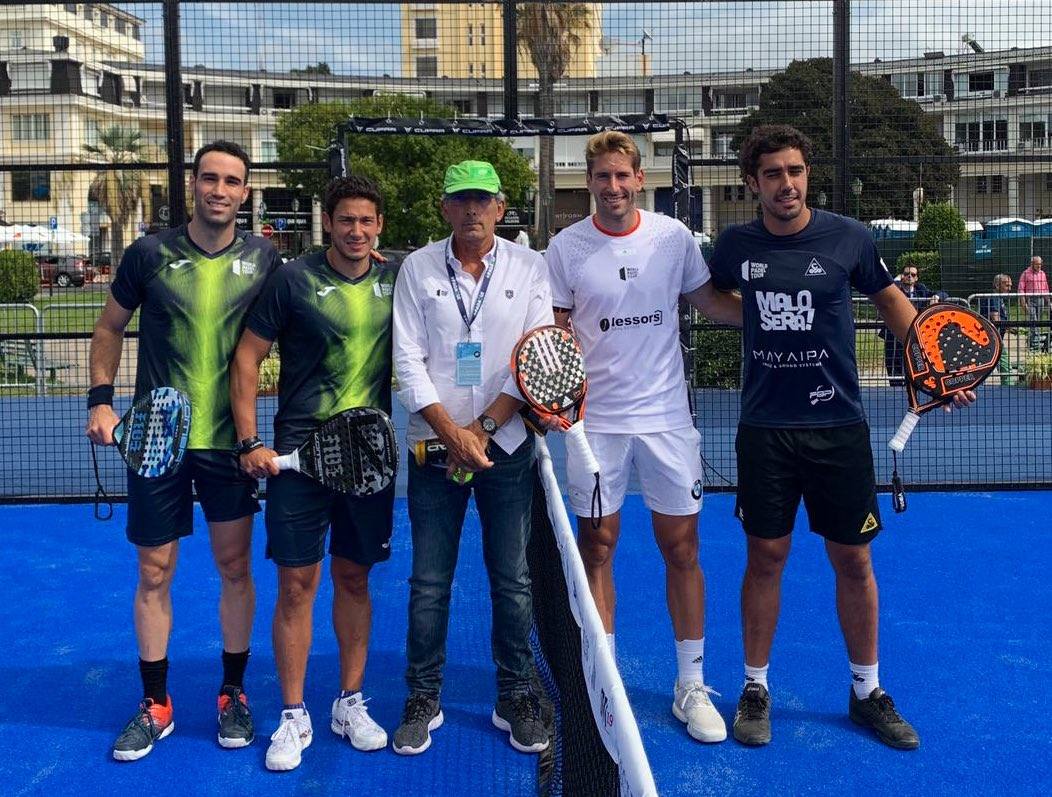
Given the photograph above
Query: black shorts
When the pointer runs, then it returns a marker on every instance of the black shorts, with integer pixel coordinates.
(162, 510)
(300, 511)
(830, 468)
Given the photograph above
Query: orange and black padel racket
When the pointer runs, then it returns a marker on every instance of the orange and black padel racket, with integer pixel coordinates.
(948, 350)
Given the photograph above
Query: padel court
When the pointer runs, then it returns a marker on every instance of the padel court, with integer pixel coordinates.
(965, 651)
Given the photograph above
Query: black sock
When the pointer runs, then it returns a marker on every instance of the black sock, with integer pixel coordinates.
(155, 680)
(234, 669)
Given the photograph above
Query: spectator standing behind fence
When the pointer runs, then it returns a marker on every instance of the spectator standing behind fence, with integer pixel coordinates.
(1034, 281)
(996, 309)
(914, 290)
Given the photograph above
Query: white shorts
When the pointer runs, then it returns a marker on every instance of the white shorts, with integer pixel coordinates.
(668, 465)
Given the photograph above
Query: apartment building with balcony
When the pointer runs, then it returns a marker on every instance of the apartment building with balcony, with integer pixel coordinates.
(70, 77)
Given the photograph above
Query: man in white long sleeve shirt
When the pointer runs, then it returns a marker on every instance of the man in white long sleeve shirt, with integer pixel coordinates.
(460, 306)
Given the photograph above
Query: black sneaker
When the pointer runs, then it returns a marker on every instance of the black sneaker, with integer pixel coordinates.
(879, 713)
(235, 720)
(151, 723)
(752, 720)
(526, 720)
(420, 716)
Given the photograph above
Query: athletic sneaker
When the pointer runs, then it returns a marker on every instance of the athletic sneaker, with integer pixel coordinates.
(288, 742)
(151, 724)
(420, 716)
(235, 720)
(752, 721)
(351, 718)
(693, 706)
(522, 716)
(879, 713)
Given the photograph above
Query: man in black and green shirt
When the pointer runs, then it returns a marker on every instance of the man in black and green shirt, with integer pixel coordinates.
(330, 313)
(193, 285)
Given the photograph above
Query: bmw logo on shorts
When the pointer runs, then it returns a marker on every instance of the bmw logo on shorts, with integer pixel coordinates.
(695, 491)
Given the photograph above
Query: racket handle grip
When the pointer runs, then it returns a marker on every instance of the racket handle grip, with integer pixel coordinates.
(898, 442)
(288, 461)
(577, 444)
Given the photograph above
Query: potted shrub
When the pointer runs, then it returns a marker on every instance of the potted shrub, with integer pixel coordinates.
(1038, 371)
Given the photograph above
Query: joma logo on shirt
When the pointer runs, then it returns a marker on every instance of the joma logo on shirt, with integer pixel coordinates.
(781, 311)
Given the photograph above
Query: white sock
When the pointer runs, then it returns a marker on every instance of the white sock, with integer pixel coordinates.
(296, 712)
(864, 679)
(757, 675)
(690, 660)
(613, 649)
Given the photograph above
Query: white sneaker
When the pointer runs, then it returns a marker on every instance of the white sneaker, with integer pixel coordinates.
(288, 742)
(693, 706)
(351, 718)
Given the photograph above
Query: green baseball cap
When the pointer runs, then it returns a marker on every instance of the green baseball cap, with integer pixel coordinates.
(471, 176)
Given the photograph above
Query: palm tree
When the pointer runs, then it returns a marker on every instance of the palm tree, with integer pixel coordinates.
(118, 191)
(550, 33)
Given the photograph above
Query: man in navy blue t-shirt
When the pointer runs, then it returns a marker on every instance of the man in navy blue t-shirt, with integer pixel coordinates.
(803, 433)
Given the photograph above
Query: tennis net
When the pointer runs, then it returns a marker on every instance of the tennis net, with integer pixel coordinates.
(597, 749)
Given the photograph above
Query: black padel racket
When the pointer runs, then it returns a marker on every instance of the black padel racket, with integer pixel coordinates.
(151, 437)
(549, 370)
(948, 350)
(352, 452)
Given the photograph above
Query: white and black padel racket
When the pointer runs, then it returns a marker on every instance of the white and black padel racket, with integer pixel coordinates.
(549, 370)
(352, 452)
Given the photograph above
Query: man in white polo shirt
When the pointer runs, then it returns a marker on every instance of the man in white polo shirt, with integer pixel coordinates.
(460, 305)
(618, 277)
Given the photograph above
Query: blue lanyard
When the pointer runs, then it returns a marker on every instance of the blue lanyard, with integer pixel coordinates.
(456, 288)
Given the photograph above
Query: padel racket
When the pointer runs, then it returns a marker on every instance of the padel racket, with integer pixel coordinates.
(548, 365)
(151, 437)
(352, 452)
(948, 350)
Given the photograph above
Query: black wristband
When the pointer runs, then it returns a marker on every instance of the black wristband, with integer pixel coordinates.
(100, 394)
(248, 444)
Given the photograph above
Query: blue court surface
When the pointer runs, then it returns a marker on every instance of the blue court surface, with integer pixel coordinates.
(965, 645)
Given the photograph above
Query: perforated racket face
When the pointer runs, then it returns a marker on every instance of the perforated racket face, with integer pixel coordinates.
(152, 435)
(352, 452)
(950, 349)
(549, 368)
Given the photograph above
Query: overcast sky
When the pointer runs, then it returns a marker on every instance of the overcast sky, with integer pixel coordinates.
(696, 36)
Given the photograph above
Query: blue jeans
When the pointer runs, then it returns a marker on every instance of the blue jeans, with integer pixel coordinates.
(504, 496)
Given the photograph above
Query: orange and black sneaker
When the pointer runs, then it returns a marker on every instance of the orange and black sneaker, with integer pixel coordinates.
(151, 724)
(235, 720)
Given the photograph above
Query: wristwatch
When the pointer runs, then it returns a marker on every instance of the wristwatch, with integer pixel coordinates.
(248, 444)
(489, 426)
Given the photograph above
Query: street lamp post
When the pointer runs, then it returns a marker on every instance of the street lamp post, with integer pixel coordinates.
(856, 189)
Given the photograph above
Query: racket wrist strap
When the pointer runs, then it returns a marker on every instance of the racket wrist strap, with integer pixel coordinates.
(100, 394)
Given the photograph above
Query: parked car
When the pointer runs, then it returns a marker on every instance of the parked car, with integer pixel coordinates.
(65, 270)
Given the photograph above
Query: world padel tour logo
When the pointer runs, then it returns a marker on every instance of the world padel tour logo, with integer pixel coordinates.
(653, 319)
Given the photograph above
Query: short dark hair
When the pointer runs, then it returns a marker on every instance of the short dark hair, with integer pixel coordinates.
(228, 147)
(766, 139)
(353, 186)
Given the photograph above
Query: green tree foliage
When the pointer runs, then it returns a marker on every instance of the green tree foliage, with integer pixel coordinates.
(118, 192)
(717, 358)
(939, 222)
(320, 68)
(883, 126)
(408, 169)
(19, 277)
(550, 34)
